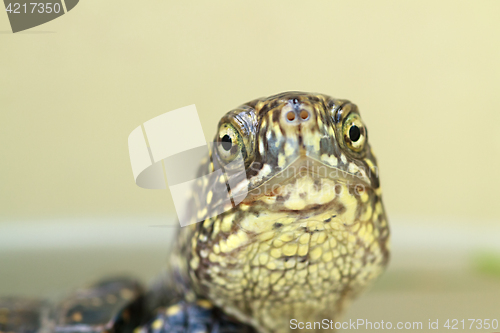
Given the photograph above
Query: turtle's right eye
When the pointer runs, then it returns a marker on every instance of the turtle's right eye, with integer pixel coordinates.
(229, 143)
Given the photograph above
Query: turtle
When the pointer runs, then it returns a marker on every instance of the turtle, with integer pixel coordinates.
(308, 234)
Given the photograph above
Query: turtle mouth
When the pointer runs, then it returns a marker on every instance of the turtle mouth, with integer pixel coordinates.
(317, 171)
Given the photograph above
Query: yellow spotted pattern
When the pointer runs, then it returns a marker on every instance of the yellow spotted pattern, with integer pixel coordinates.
(303, 250)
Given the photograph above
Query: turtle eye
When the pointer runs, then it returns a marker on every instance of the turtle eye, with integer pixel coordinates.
(226, 142)
(229, 143)
(354, 132)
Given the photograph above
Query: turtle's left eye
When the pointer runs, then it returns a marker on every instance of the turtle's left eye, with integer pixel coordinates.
(226, 142)
(229, 143)
(354, 132)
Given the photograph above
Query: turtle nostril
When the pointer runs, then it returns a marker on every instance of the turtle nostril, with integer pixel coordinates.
(290, 116)
(304, 114)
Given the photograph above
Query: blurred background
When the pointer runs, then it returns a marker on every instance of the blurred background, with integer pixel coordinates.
(425, 75)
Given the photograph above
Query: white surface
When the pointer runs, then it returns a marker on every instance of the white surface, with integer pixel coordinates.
(407, 235)
(132, 232)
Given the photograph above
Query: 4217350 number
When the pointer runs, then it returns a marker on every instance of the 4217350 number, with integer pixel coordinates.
(33, 8)
(456, 324)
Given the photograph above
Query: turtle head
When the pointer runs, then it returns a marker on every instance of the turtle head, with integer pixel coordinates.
(299, 149)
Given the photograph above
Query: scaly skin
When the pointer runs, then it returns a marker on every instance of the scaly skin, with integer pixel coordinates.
(311, 233)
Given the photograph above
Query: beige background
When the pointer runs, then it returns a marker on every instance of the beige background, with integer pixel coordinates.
(425, 74)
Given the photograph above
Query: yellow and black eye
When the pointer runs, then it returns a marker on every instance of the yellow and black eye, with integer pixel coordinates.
(354, 132)
(229, 143)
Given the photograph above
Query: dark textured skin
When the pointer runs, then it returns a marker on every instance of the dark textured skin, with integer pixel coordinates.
(110, 305)
(186, 317)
